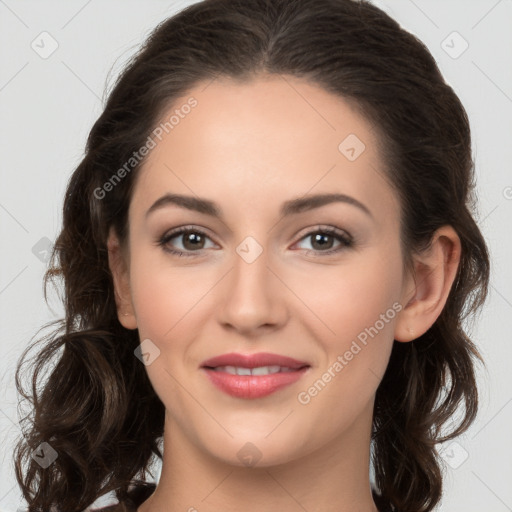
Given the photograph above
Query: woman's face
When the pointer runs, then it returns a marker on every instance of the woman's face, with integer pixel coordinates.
(264, 275)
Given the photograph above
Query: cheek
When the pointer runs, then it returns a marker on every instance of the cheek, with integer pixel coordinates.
(167, 303)
(355, 316)
(172, 304)
(158, 299)
(351, 297)
(164, 294)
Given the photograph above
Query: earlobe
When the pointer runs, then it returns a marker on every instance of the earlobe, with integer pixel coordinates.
(121, 280)
(426, 292)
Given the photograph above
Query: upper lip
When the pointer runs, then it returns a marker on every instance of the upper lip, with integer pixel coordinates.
(253, 361)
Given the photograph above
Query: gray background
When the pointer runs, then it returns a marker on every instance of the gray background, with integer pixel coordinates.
(48, 105)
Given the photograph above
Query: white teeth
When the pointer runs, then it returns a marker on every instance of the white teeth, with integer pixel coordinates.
(260, 370)
(265, 370)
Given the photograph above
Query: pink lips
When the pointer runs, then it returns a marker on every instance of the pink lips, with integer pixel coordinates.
(254, 360)
(253, 386)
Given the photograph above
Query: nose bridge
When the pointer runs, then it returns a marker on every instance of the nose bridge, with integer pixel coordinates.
(250, 274)
(252, 295)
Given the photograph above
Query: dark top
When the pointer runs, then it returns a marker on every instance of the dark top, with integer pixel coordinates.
(139, 495)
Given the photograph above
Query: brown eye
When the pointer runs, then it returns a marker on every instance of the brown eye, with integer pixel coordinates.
(322, 241)
(192, 240)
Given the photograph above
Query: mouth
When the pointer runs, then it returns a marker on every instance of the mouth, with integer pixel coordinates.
(253, 376)
(258, 370)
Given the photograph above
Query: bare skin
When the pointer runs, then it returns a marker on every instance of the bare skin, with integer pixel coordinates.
(249, 147)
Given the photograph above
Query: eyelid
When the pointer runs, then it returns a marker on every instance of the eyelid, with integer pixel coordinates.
(323, 228)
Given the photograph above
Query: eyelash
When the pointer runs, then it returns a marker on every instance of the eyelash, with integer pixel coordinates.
(346, 240)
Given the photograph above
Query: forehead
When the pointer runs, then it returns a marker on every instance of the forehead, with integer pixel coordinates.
(259, 142)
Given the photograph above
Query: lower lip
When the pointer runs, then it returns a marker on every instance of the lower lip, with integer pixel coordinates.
(253, 386)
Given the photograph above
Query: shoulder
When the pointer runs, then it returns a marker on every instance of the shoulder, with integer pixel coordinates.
(382, 504)
(118, 507)
(136, 496)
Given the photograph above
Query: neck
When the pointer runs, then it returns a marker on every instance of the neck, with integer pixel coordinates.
(333, 478)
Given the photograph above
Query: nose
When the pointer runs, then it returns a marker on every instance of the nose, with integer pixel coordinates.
(253, 296)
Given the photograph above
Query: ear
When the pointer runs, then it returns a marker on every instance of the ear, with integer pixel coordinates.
(425, 293)
(121, 278)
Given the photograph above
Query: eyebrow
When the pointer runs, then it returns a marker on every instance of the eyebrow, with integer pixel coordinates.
(291, 207)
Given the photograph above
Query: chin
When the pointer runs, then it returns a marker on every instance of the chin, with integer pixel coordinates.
(252, 453)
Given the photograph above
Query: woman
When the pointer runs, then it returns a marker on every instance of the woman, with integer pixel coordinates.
(266, 374)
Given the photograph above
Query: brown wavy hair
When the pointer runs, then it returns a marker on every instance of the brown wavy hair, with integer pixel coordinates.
(96, 407)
